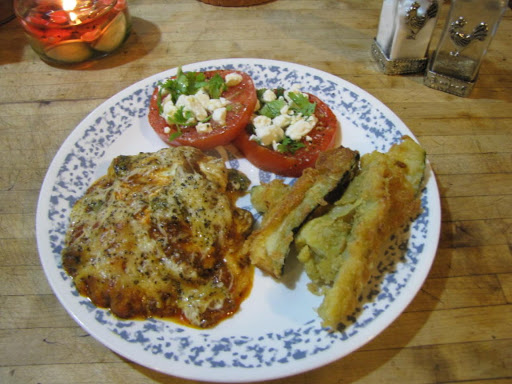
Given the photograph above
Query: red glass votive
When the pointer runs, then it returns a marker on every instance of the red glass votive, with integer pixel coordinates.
(74, 31)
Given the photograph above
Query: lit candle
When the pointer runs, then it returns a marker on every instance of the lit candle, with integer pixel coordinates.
(73, 31)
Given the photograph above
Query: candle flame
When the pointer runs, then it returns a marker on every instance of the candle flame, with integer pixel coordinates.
(69, 5)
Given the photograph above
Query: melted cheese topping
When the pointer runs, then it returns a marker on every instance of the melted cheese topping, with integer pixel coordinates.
(160, 235)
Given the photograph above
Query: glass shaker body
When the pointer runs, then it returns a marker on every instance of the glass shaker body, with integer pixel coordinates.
(467, 34)
(404, 33)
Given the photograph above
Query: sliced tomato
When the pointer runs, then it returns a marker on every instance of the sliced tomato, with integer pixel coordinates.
(293, 164)
(242, 99)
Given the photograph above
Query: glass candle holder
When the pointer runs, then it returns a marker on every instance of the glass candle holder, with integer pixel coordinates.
(467, 34)
(74, 31)
(403, 36)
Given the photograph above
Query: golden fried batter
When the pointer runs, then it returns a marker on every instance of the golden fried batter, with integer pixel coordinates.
(339, 249)
(269, 245)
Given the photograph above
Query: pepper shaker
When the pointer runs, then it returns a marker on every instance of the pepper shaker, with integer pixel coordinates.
(467, 34)
(403, 36)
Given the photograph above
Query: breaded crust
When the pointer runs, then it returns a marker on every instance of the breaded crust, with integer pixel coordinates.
(269, 245)
(383, 197)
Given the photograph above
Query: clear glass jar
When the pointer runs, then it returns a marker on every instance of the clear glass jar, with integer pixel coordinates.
(404, 34)
(469, 29)
(74, 31)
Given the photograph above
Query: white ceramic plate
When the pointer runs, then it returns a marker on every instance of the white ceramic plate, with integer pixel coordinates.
(277, 332)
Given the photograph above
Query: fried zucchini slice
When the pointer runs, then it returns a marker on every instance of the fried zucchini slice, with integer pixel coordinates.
(265, 195)
(339, 249)
(269, 245)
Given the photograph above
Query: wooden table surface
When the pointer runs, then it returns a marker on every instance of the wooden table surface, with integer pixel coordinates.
(458, 329)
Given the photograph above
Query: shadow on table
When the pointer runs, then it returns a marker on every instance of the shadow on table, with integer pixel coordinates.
(494, 81)
(12, 41)
(143, 38)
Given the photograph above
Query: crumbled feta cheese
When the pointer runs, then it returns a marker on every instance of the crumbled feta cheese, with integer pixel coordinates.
(233, 79)
(312, 120)
(214, 104)
(268, 134)
(261, 121)
(268, 96)
(282, 121)
(168, 107)
(265, 132)
(204, 128)
(301, 128)
(271, 132)
(203, 97)
(192, 104)
(167, 130)
(166, 98)
(219, 115)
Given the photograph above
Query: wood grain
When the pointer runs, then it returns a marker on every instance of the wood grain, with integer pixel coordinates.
(458, 328)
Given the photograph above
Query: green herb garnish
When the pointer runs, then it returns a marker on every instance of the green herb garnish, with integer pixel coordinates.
(287, 145)
(185, 83)
(173, 136)
(273, 108)
(181, 117)
(159, 100)
(280, 92)
(188, 83)
(301, 104)
(216, 86)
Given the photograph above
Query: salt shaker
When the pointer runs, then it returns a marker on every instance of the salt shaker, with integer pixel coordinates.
(403, 36)
(469, 29)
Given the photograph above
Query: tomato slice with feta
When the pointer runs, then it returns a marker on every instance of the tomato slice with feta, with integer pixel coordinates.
(290, 157)
(232, 92)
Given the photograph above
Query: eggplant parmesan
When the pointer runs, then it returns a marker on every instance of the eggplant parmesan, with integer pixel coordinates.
(160, 236)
